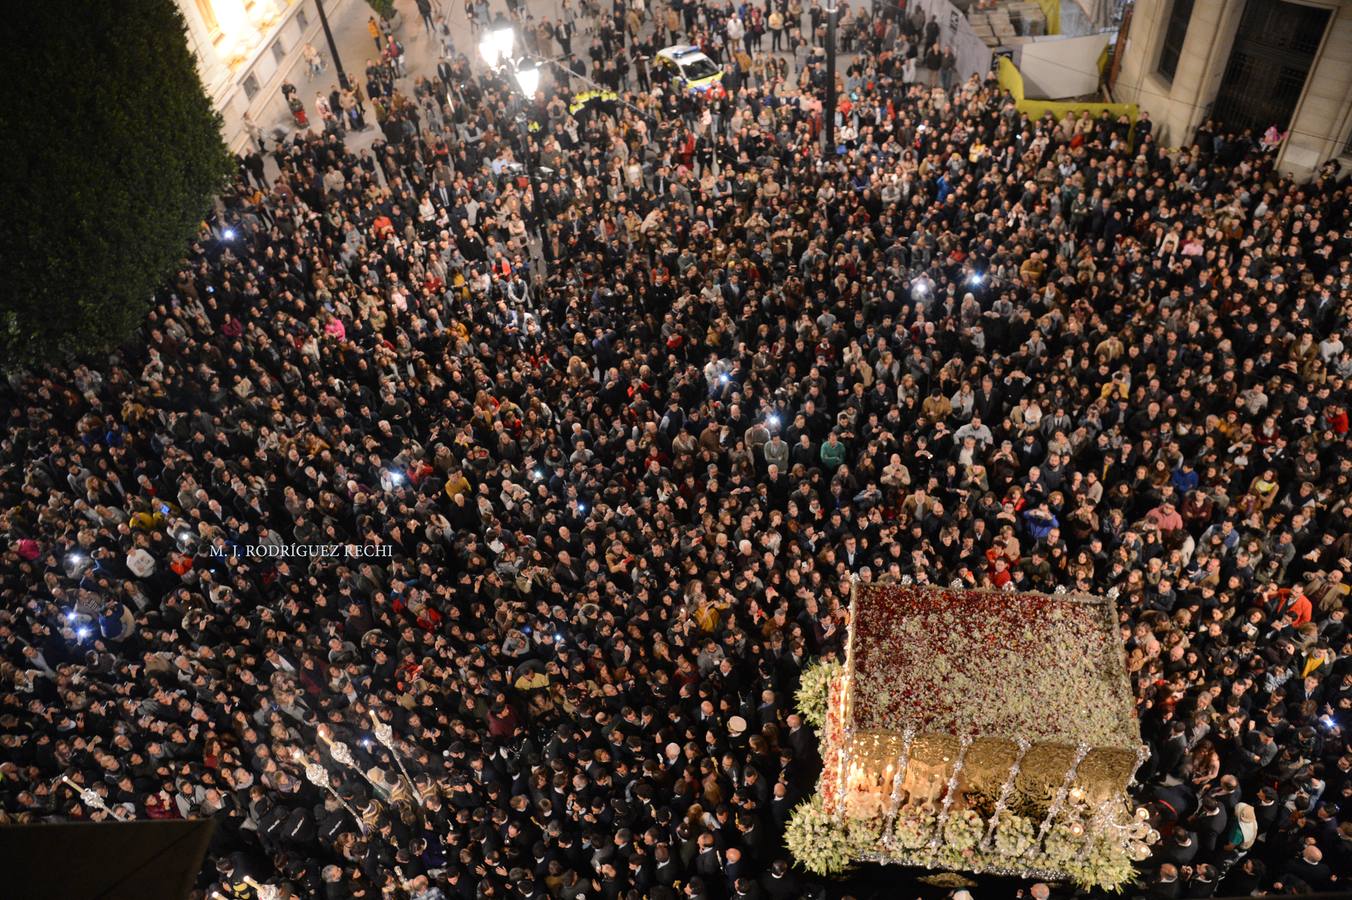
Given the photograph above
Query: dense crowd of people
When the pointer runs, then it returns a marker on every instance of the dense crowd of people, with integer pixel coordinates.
(602, 415)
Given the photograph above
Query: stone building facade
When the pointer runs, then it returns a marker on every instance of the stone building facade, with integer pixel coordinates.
(1244, 64)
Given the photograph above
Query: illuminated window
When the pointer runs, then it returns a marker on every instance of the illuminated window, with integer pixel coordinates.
(208, 14)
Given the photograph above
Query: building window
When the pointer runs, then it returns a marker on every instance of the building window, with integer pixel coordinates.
(1270, 62)
(251, 86)
(302, 20)
(207, 12)
(278, 51)
(1175, 32)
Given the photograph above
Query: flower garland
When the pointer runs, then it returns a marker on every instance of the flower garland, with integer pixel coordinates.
(814, 690)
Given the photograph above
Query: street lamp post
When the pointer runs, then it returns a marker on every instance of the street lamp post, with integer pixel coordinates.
(496, 48)
(831, 80)
(523, 130)
(333, 48)
(527, 74)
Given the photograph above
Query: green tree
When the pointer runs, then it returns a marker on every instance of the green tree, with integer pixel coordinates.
(112, 153)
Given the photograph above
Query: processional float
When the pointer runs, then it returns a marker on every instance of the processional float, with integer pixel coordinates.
(975, 730)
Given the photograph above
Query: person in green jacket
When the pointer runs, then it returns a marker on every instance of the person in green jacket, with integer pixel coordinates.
(833, 452)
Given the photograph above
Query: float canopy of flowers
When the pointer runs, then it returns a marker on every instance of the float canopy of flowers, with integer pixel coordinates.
(1034, 686)
(1047, 668)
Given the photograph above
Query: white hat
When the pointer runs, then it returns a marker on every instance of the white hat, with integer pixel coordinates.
(736, 725)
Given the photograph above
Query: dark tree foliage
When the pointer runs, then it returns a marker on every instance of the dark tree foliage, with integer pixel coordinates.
(112, 152)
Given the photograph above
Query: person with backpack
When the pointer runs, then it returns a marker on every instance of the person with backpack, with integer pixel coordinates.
(394, 57)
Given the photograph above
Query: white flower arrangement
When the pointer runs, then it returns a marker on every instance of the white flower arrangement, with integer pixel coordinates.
(952, 858)
(1102, 863)
(865, 834)
(818, 840)
(827, 845)
(1062, 845)
(964, 829)
(1014, 834)
(915, 829)
(814, 690)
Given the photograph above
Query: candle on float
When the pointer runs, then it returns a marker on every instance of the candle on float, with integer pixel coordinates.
(841, 776)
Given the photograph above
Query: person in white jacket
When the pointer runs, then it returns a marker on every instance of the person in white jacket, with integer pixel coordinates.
(736, 31)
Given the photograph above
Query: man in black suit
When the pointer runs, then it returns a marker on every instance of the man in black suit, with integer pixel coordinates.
(1166, 885)
(1210, 823)
(800, 738)
(1308, 869)
(1181, 847)
(780, 883)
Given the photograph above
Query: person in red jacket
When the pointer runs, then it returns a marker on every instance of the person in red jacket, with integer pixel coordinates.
(1292, 602)
(1336, 418)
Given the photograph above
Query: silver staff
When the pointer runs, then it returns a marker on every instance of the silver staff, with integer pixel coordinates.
(385, 734)
(319, 777)
(89, 797)
(343, 755)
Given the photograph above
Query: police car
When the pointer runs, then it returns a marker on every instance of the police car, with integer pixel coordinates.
(687, 68)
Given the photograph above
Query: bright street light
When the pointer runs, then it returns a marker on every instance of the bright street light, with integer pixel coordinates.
(528, 77)
(496, 44)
